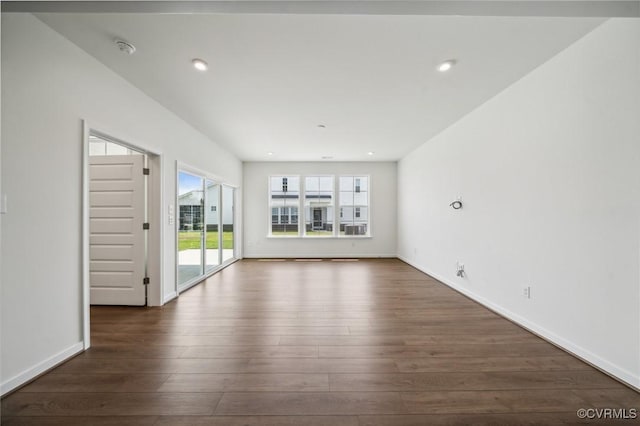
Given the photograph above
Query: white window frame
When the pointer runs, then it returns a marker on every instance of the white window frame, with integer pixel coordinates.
(303, 181)
(297, 205)
(337, 207)
(354, 206)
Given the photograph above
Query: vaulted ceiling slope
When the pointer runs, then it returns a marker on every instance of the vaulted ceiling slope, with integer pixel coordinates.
(275, 79)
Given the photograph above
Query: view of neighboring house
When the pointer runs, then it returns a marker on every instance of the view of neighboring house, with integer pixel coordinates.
(319, 205)
(192, 210)
(191, 207)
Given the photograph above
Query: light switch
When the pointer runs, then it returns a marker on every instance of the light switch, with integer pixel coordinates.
(171, 215)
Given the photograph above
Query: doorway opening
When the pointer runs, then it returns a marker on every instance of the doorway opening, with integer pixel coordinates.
(122, 236)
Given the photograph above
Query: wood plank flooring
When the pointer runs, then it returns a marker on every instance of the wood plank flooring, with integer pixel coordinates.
(373, 343)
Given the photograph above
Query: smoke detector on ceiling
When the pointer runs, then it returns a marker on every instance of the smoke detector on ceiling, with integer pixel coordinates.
(125, 47)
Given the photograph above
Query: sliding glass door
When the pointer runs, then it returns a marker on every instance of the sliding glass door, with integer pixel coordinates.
(228, 199)
(190, 227)
(205, 227)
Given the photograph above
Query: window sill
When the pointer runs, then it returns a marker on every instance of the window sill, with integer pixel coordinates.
(329, 237)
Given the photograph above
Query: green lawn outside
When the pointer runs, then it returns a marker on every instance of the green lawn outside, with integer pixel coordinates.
(191, 240)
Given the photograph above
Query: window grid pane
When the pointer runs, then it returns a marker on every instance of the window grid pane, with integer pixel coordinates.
(354, 203)
(284, 197)
(318, 205)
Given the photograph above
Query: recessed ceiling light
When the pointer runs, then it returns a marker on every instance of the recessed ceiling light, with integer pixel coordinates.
(327, 157)
(125, 47)
(370, 153)
(446, 65)
(322, 126)
(269, 154)
(200, 65)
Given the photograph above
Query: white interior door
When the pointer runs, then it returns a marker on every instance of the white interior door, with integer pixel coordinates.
(117, 246)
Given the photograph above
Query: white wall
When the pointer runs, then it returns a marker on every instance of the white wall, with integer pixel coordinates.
(549, 173)
(49, 86)
(257, 214)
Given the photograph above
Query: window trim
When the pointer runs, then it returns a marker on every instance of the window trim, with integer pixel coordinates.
(284, 184)
(303, 181)
(357, 184)
(337, 208)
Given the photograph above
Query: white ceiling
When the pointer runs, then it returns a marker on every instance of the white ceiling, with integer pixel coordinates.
(273, 78)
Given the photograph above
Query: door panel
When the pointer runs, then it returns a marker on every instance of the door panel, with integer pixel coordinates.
(190, 228)
(117, 256)
(112, 266)
(107, 185)
(228, 223)
(111, 239)
(112, 225)
(111, 172)
(112, 199)
(212, 225)
(112, 279)
(111, 252)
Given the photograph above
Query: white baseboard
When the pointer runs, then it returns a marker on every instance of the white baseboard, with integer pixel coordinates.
(607, 367)
(169, 297)
(40, 368)
(320, 256)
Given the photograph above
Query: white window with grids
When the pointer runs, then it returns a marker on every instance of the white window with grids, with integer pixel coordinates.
(319, 209)
(354, 206)
(284, 202)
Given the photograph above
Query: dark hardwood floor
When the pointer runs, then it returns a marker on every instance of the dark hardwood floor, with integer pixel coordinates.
(373, 342)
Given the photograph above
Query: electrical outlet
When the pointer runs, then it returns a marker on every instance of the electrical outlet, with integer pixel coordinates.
(460, 269)
(526, 292)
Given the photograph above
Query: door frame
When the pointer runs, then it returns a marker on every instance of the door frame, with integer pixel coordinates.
(155, 192)
(219, 224)
(236, 235)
